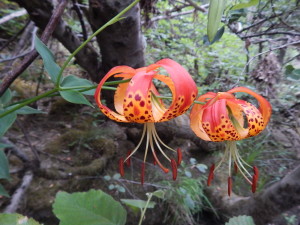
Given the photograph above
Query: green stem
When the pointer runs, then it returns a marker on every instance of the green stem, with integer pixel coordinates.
(29, 101)
(145, 208)
(110, 22)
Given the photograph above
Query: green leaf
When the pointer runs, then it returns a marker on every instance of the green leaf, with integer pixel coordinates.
(3, 192)
(6, 97)
(240, 220)
(16, 219)
(73, 81)
(6, 122)
(215, 12)
(4, 168)
(4, 146)
(50, 65)
(201, 167)
(245, 5)
(89, 92)
(88, 208)
(292, 72)
(159, 194)
(27, 110)
(75, 97)
(140, 204)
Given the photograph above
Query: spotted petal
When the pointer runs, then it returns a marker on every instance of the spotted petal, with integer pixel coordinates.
(265, 107)
(116, 71)
(183, 88)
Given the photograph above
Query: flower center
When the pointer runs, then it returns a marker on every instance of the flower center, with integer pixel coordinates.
(152, 141)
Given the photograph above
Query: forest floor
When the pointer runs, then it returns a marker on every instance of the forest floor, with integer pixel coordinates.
(78, 149)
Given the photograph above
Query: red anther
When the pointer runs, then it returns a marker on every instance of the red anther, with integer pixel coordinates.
(121, 167)
(254, 183)
(128, 160)
(211, 174)
(256, 172)
(174, 168)
(179, 156)
(235, 167)
(229, 186)
(143, 173)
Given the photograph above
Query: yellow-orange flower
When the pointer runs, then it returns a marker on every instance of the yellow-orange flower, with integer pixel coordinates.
(223, 117)
(138, 101)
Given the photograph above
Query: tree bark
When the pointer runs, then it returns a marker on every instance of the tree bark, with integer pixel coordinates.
(122, 42)
(40, 13)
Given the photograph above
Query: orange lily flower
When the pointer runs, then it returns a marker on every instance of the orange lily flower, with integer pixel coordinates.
(138, 101)
(223, 117)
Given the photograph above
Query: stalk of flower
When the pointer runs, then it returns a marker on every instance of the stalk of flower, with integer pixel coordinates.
(139, 101)
(223, 117)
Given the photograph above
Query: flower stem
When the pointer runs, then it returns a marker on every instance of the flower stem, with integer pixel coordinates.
(145, 208)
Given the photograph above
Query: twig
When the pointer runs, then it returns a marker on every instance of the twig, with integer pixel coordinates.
(19, 13)
(15, 36)
(29, 58)
(33, 149)
(25, 53)
(272, 49)
(15, 150)
(172, 15)
(270, 33)
(19, 193)
(201, 8)
(80, 17)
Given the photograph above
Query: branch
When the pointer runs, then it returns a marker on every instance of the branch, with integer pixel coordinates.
(19, 193)
(197, 7)
(19, 13)
(270, 33)
(80, 17)
(31, 57)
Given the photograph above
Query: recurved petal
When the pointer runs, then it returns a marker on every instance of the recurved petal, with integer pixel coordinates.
(196, 122)
(137, 101)
(264, 106)
(184, 89)
(119, 70)
(254, 117)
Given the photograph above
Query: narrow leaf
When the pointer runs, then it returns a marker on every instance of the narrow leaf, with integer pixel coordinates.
(50, 65)
(4, 168)
(215, 12)
(28, 110)
(75, 97)
(6, 97)
(16, 219)
(89, 208)
(3, 192)
(73, 81)
(245, 5)
(6, 122)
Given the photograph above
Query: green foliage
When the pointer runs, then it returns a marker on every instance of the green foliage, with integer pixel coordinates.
(49, 62)
(245, 5)
(241, 220)
(3, 192)
(215, 12)
(89, 208)
(140, 204)
(16, 219)
(75, 97)
(4, 170)
(292, 73)
(6, 122)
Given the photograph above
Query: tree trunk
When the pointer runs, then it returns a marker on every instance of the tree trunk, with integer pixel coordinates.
(122, 42)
